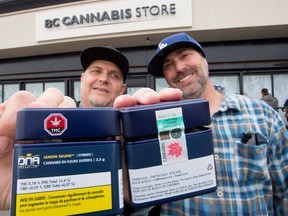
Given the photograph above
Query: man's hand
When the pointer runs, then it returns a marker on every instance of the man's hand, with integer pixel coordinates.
(143, 96)
(148, 96)
(52, 98)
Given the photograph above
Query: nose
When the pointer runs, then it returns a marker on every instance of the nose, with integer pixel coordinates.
(179, 65)
(103, 77)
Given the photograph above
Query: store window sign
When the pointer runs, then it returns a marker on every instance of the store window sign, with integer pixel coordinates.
(108, 17)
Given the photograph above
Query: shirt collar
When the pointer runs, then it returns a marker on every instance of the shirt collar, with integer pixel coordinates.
(229, 100)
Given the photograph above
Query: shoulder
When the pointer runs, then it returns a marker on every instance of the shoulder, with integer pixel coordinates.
(246, 105)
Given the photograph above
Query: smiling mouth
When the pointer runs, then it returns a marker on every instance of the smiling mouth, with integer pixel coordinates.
(185, 77)
(102, 90)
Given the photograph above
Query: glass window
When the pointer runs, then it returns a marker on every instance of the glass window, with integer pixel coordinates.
(37, 88)
(135, 83)
(231, 83)
(34, 88)
(76, 90)
(9, 90)
(132, 90)
(281, 92)
(1, 94)
(58, 85)
(160, 83)
(253, 84)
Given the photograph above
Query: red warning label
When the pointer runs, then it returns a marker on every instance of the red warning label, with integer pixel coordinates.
(55, 124)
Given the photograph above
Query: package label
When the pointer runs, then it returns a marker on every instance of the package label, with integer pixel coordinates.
(64, 195)
(171, 135)
(165, 181)
(67, 178)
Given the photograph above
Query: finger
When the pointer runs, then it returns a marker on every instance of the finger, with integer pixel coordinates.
(146, 96)
(124, 101)
(67, 102)
(16, 102)
(170, 94)
(2, 107)
(6, 145)
(50, 98)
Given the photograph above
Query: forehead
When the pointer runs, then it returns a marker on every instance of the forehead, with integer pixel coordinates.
(103, 64)
(178, 52)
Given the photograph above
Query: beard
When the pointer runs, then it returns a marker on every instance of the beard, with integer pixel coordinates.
(95, 103)
(194, 88)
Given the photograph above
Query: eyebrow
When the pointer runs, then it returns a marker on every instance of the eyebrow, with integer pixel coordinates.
(95, 67)
(177, 52)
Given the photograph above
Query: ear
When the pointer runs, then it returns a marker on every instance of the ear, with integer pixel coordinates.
(82, 76)
(124, 86)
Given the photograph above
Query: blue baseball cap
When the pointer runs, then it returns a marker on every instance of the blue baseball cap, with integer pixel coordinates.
(169, 45)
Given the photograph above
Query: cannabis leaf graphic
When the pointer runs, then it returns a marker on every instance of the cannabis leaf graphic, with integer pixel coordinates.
(175, 149)
(55, 122)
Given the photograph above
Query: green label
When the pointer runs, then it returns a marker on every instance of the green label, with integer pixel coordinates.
(171, 135)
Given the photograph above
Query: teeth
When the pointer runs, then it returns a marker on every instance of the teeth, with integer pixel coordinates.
(185, 78)
(102, 90)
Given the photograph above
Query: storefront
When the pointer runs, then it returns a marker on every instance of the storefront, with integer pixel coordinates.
(40, 43)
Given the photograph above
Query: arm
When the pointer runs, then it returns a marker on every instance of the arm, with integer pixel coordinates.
(278, 163)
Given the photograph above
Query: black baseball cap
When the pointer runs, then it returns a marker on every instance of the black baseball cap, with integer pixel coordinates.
(111, 54)
(265, 90)
(169, 45)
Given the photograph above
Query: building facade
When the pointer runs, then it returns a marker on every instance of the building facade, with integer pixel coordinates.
(246, 42)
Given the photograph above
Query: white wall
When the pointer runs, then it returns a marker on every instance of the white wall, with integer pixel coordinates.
(212, 21)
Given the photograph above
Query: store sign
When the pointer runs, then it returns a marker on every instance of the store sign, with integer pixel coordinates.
(108, 17)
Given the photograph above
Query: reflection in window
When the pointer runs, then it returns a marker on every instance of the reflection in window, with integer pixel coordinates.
(230, 83)
(253, 84)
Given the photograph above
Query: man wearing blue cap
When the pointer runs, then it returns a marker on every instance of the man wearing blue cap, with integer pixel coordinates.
(250, 138)
(181, 60)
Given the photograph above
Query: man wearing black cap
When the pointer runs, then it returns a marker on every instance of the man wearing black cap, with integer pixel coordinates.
(103, 79)
(252, 172)
(104, 76)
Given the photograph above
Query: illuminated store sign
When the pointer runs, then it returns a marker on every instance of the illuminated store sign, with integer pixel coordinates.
(108, 17)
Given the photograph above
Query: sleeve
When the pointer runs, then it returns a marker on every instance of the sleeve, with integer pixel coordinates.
(278, 165)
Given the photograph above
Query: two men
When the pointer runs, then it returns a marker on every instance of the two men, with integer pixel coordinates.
(252, 177)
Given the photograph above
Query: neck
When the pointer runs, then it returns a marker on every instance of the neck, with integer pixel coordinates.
(214, 97)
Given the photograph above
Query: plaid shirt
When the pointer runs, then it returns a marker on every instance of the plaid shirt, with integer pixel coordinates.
(252, 179)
